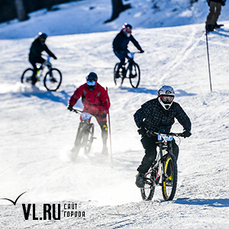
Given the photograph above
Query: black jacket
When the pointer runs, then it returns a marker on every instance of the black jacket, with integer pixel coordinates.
(120, 42)
(37, 48)
(154, 117)
(220, 1)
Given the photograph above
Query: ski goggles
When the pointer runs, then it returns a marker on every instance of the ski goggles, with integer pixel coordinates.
(91, 82)
(167, 98)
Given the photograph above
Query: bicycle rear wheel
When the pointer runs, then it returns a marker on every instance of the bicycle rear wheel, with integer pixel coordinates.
(134, 75)
(53, 79)
(118, 78)
(147, 191)
(26, 76)
(88, 138)
(169, 181)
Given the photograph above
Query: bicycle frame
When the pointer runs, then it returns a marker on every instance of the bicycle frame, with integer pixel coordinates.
(163, 170)
(85, 133)
(165, 147)
(42, 66)
(129, 63)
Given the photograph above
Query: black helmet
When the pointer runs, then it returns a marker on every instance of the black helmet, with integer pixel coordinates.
(92, 80)
(42, 35)
(92, 76)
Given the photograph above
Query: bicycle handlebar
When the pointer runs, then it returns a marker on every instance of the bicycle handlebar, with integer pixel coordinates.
(77, 111)
(171, 133)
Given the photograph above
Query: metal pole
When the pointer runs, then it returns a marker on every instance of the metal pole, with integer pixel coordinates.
(109, 128)
(209, 70)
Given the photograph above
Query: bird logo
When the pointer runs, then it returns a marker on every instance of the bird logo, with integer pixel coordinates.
(14, 202)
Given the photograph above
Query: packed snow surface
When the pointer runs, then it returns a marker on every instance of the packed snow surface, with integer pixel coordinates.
(37, 131)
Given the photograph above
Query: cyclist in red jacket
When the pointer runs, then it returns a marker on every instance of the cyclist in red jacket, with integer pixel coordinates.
(95, 101)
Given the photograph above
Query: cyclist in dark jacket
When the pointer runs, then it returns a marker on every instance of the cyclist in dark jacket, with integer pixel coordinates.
(213, 15)
(158, 115)
(120, 44)
(37, 47)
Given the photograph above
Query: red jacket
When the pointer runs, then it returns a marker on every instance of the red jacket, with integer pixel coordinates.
(95, 102)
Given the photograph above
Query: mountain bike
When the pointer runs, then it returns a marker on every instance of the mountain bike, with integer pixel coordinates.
(130, 70)
(163, 171)
(52, 79)
(85, 133)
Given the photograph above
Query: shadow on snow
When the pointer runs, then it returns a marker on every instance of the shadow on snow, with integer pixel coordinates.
(207, 202)
(179, 93)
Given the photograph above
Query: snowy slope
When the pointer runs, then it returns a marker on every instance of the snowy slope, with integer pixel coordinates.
(37, 132)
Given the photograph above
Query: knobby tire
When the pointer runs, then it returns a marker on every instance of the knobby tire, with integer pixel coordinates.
(135, 76)
(169, 181)
(55, 74)
(27, 75)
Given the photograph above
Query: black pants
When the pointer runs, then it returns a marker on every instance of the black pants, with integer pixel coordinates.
(149, 144)
(33, 61)
(104, 129)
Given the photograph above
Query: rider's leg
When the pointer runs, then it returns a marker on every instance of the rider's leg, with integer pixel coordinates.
(102, 121)
(149, 144)
(121, 57)
(33, 62)
(34, 78)
(104, 133)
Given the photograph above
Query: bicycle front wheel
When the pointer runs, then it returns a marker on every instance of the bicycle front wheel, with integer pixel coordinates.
(79, 140)
(26, 76)
(169, 180)
(53, 79)
(88, 138)
(148, 189)
(134, 75)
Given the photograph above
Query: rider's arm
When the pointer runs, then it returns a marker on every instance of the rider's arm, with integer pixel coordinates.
(49, 52)
(77, 94)
(139, 117)
(136, 44)
(182, 117)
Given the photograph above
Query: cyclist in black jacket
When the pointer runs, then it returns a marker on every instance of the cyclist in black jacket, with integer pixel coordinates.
(157, 115)
(37, 47)
(120, 44)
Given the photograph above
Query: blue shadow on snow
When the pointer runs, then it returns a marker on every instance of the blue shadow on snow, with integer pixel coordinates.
(60, 97)
(219, 203)
(179, 93)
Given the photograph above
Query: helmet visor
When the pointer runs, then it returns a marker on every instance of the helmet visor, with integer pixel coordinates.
(91, 82)
(167, 98)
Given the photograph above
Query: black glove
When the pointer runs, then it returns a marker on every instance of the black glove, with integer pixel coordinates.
(144, 132)
(70, 107)
(141, 51)
(186, 134)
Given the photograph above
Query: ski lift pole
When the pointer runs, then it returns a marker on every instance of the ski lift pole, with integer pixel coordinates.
(209, 69)
(109, 129)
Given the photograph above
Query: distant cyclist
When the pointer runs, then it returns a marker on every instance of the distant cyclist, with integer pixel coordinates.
(120, 44)
(37, 47)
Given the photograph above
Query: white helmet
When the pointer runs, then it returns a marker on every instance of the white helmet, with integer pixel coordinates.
(166, 96)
